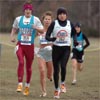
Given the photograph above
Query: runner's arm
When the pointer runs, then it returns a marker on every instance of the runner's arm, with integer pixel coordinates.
(12, 35)
(73, 31)
(87, 42)
(49, 31)
(38, 25)
(74, 35)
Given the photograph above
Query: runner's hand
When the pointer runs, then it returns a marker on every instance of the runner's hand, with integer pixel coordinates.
(75, 43)
(13, 39)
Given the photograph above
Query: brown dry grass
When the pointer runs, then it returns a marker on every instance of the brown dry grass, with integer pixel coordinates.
(87, 88)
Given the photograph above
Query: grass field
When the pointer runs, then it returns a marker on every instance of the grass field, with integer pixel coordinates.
(87, 88)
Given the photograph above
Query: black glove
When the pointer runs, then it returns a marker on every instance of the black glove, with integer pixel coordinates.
(75, 43)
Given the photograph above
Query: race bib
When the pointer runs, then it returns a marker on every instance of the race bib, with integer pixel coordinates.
(79, 46)
(42, 39)
(26, 38)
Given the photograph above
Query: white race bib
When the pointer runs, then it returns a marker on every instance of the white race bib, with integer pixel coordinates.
(25, 38)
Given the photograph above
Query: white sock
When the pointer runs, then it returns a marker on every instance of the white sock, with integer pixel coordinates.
(20, 83)
(74, 81)
(62, 82)
(27, 84)
(57, 89)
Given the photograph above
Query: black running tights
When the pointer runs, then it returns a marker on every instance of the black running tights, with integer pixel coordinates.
(60, 57)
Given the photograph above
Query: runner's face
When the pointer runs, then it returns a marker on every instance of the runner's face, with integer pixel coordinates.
(28, 12)
(62, 17)
(77, 29)
(47, 20)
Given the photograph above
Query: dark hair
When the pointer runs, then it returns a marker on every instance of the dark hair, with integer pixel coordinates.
(77, 24)
(61, 10)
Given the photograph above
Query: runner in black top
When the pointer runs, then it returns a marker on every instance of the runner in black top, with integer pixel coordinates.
(60, 32)
(78, 51)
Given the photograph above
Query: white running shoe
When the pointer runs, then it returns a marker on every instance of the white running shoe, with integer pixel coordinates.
(57, 94)
(73, 82)
(63, 88)
(43, 94)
